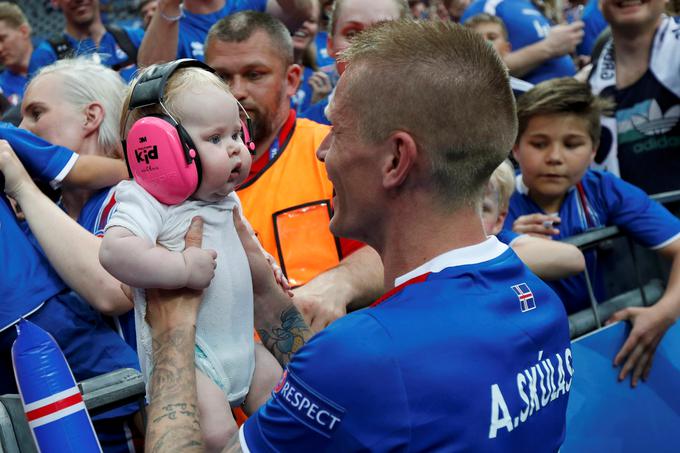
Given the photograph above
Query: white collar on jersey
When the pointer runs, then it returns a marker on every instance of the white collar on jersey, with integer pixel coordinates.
(484, 251)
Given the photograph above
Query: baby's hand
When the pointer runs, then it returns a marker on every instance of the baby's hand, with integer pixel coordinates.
(540, 225)
(278, 274)
(200, 267)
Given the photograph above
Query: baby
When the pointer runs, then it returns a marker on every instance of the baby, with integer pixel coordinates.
(143, 244)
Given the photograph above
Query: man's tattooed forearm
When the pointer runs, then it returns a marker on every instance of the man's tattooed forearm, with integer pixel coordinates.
(286, 338)
(173, 414)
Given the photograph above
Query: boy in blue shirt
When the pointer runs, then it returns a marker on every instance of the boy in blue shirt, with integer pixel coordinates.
(558, 196)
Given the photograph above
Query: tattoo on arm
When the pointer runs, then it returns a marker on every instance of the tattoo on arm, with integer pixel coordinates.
(173, 413)
(286, 338)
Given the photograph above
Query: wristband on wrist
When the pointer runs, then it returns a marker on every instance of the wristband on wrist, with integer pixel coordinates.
(172, 18)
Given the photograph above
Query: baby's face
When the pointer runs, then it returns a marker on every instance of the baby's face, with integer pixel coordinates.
(211, 117)
(554, 152)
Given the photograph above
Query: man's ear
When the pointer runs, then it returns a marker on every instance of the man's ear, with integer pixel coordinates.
(399, 160)
(293, 76)
(94, 116)
(25, 30)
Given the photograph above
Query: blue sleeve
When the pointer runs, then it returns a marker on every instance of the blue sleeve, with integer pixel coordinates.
(472, 10)
(246, 5)
(136, 35)
(506, 236)
(42, 159)
(631, 209)
(342, 391)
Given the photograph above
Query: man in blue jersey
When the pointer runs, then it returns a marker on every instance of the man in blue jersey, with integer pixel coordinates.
(85, 33)
(639, 67)
(179, 29)
(468, 345)
(540, 51)
(19, 54)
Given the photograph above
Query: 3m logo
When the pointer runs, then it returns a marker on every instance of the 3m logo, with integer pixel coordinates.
(525, 296)
(146, 155)
(142, 139)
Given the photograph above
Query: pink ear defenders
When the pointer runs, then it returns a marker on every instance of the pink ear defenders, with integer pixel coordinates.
(159, 152)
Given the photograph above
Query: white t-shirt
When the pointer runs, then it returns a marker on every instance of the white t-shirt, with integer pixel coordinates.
(224, 332)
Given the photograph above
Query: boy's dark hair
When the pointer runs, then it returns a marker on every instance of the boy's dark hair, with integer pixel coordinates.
(563, 96)
(485, 18)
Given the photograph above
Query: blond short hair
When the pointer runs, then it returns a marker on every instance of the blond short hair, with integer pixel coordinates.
(84, 81)
(12, 15)
(404, 12)
(444, 85)
(502, 180)
(180, 80)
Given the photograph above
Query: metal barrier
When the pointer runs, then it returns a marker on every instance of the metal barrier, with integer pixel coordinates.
(100, 394)
(647, 293)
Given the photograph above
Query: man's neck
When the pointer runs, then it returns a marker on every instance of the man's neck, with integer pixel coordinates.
(410, 242)
(265, 144)
(21, 68)
(94, 31)
(632, 50)
(203, 6)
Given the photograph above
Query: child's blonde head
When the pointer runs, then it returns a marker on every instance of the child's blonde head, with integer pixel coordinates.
(502, 181)
(182, 80)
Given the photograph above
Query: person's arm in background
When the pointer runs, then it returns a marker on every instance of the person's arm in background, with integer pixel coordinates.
(649, 323)
(354, 283)
(562, 40)
(550, 260)
(72, 250)
(58, 165)
(95, 172)
(162, 35)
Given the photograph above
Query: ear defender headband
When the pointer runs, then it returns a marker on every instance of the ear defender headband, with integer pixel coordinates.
(159, 152)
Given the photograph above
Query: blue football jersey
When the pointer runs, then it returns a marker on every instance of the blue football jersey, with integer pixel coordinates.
(302, 98)
(193, 28)
(526, 25)
(472, 353)
(42, 159)
(27, 277)
(594, 24)
(609, 201)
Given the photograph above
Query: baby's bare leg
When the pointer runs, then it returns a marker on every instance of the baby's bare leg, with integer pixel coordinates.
(217, 423)
(265, 377)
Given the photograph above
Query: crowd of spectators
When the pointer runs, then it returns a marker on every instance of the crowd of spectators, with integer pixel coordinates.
(596, 90)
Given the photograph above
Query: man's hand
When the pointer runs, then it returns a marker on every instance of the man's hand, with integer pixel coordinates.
(168, 308)
(649, 326)
(563, 39)
(317, 307)
(16, 177)
(200, 266)
(540, 225)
